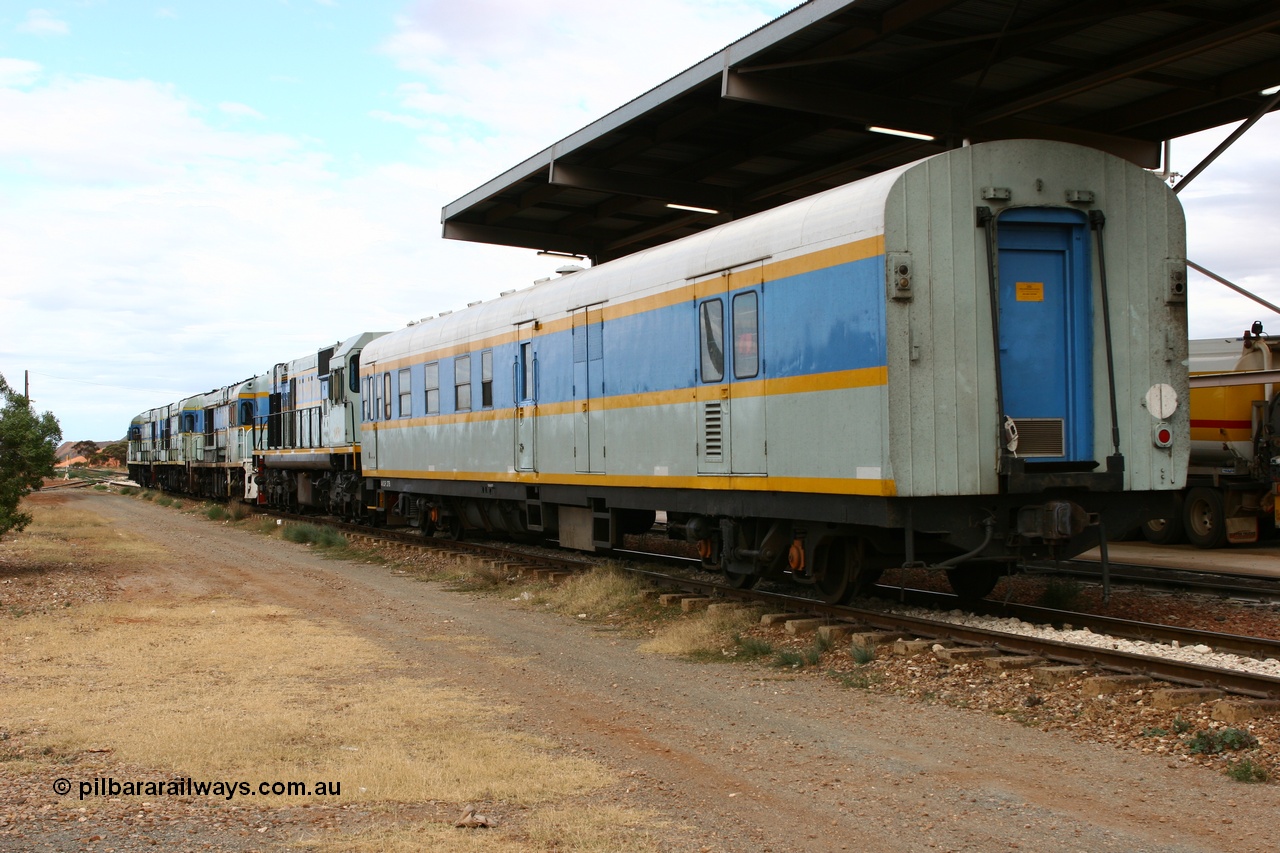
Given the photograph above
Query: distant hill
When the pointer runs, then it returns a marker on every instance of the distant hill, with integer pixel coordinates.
(67, 455)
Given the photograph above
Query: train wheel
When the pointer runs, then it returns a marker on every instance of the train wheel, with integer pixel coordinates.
(975, 581)
(1165, 531)
(449, 527)
(841, 570)
(1205, 518)
(738, 580)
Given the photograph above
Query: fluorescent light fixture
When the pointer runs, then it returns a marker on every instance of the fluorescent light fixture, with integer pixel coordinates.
(675, 206)
(551, 253)
(893, 131)
(1269, 92)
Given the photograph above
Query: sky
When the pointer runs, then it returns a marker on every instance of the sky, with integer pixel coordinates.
(192, 191)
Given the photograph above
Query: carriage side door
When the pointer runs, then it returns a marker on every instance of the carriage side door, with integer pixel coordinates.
(588, 389)
(525, 379)
(729, 392)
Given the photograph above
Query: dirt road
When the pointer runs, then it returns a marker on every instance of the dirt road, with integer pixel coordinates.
(733, 758)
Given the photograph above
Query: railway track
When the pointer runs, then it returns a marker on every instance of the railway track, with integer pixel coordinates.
(937, 630)
(1237, 586)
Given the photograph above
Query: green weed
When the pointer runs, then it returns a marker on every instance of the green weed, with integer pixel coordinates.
(862, 653)
(1214, 742)
(1247, 771)
(314, 534)
(752, 648)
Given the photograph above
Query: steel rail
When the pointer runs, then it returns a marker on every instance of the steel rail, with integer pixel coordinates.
(1129, 629)
(1161, 669)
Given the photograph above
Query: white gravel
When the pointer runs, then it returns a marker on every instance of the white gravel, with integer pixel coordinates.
(1198, 654)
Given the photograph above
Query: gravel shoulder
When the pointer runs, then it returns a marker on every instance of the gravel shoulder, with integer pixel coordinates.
(729, 758)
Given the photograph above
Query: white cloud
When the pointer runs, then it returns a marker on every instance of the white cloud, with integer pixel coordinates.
(18, 72)
(514, 77)
(167, 253)
(100, 130)
(236, 109)
(1233, 227)
(41, 22)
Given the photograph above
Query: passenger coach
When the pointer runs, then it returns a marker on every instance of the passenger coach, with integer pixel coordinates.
(963, 362)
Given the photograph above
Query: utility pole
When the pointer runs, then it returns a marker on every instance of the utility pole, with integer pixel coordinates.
(26, 384)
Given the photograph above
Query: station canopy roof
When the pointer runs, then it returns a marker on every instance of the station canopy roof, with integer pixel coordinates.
(789, 110)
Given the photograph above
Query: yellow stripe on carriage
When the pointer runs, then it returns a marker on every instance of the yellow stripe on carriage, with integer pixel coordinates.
(734, 482)
(866, 377)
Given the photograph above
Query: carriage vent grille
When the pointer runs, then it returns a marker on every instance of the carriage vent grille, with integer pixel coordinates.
(1040, 437)
(713, 430)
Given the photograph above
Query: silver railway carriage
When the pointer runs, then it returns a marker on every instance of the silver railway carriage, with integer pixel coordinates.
(963, 362)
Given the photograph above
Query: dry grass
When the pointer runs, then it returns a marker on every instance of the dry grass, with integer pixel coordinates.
(222, 689)
(66, 536)
(703, 635)
(227, 690)
(601, 594)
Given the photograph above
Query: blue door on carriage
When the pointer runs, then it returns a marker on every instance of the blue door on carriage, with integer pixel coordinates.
(1046, 331)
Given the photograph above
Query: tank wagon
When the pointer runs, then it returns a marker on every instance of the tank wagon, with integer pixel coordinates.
(964, 362)
(1235, 448)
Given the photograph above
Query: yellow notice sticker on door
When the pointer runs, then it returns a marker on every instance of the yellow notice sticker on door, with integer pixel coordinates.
(1030, 291)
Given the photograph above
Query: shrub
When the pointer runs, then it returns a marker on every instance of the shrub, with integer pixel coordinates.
(1214, 742)
(862, 654)
(786, 657)
(311, 534)
(1247, 771)
(752, 648)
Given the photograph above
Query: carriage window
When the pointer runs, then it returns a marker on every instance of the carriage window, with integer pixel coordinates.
(462, 383)
(246, 413)
(386, 396)
(406, 394)
(746, 335)
(353, 373)
(526, 373)
(433, 387)
(486, 379)
(711, 334)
